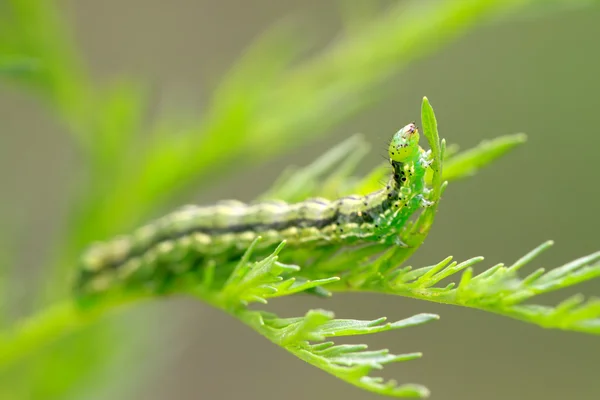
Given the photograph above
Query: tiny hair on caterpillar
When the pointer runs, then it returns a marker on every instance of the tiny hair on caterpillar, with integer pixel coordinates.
(193, 235)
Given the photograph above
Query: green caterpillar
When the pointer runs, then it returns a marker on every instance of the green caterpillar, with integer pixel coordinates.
(226, 230)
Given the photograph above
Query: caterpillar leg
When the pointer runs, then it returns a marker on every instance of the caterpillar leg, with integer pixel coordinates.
(423, 202)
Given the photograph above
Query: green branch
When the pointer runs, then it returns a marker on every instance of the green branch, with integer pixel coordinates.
(498, 289)
(31, 334)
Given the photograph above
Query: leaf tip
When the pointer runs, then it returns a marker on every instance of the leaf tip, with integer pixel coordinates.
(520, 137)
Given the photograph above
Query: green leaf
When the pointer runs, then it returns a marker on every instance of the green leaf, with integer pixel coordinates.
(266, 278)
(327, 176)
(437, 148)
(498, 289)
(457, 165)
(468, 162)
(351, 363)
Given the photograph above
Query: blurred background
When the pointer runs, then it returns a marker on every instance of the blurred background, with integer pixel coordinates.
(533, 73)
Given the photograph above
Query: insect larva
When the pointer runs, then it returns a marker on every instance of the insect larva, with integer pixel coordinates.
(225, 230)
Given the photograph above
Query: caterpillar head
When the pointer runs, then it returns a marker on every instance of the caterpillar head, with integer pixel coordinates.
(405, 144)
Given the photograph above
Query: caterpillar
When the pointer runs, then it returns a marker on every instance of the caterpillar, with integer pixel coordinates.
(226, 229)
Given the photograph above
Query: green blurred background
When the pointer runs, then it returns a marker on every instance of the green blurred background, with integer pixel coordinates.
(535, 74)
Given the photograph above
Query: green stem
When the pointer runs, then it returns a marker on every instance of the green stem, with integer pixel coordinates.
(48, 325)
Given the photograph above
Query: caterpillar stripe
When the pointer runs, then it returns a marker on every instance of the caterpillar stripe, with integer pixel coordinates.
(225, 230)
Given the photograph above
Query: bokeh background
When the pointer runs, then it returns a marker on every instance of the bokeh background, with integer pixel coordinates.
(530, 73)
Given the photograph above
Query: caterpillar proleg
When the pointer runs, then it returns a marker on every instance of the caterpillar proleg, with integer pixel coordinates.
(226, 229)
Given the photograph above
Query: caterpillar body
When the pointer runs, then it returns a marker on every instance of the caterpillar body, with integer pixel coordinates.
(226, 230)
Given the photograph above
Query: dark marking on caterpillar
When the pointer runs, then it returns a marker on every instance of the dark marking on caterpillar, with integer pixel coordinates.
(226, 229)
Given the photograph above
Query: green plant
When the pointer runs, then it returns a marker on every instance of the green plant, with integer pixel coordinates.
(255, 117)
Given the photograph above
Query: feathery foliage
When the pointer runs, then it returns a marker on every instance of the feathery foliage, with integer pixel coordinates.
(128, 179)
